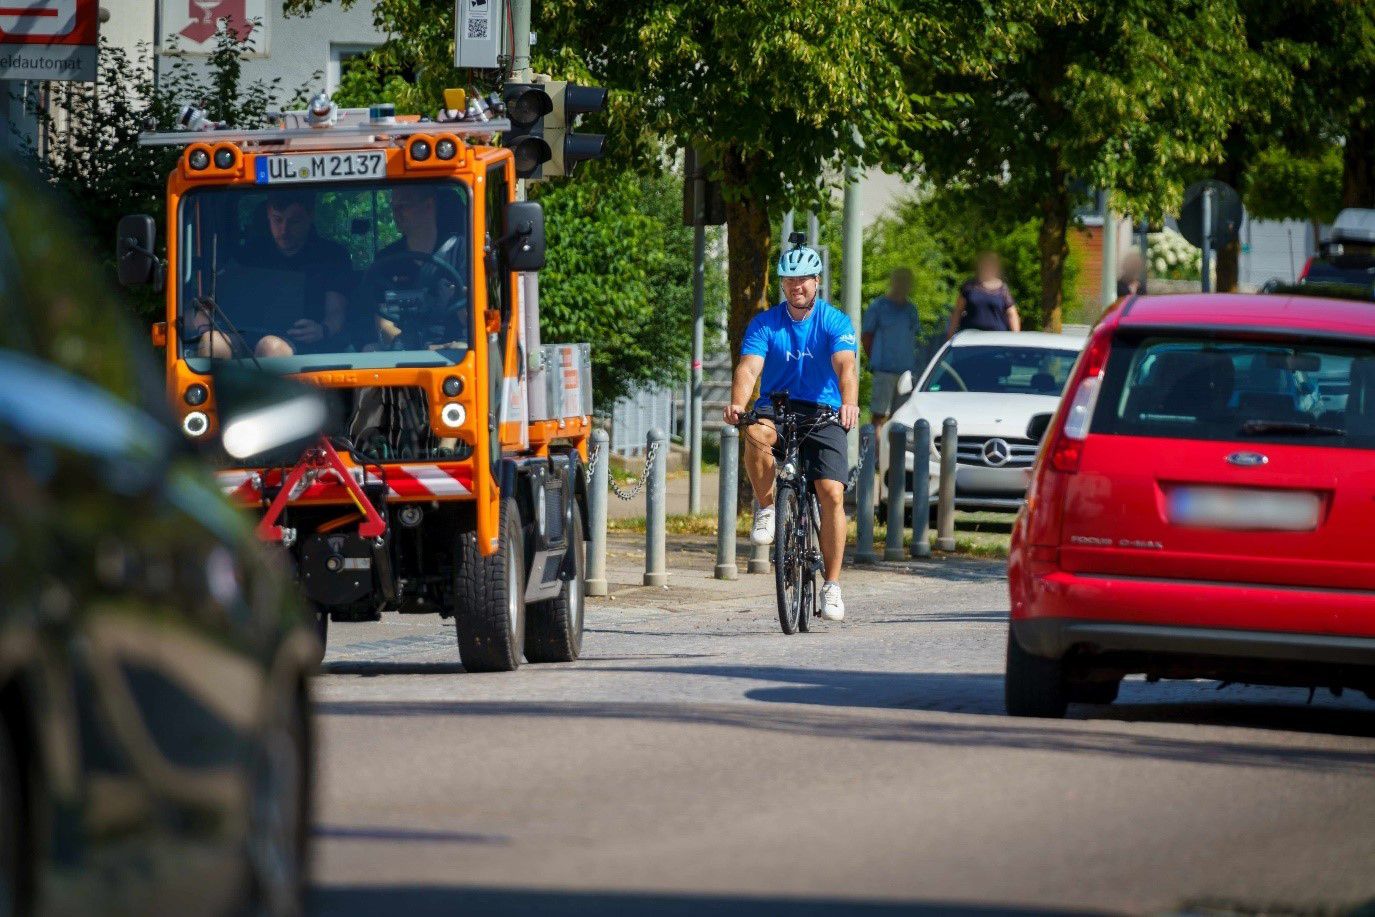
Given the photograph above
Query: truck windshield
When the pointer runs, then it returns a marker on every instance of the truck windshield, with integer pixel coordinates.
(357, 275)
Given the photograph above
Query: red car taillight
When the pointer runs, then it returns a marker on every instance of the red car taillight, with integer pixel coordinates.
(1303, 274)
(1069, 443)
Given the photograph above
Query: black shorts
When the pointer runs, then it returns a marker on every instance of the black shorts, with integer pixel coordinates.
(824, 451)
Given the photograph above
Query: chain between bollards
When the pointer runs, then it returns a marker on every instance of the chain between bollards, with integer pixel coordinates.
(864, 497)
(921, 487)
(726, 504)
(596, 513)
(656, 565)
(945, 512)
(897, 490)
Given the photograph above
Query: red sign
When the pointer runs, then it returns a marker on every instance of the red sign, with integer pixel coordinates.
(206, 16)
(48, 39)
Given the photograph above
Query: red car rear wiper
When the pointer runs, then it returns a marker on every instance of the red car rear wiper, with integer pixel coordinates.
(1260, 427)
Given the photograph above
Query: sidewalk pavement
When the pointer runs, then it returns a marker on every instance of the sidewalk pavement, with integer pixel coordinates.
(616, 508)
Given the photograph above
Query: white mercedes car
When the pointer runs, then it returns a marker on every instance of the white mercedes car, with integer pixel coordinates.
(992, 383)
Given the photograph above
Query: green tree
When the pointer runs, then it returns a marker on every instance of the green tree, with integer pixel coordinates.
(622, 277)
(88, 145)
(1134, 97)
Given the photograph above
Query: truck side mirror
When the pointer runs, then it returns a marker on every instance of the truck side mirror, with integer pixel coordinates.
(1037, 426)
(523, 243)
(135, 258)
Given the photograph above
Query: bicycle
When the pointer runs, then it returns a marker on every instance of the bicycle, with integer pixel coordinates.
(797, 518)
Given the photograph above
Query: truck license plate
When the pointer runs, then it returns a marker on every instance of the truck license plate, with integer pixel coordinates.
(308, 167)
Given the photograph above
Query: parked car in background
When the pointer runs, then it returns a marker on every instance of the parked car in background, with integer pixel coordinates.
(1202, 506)
(992, 383)
(155, 731)
(1347, 258)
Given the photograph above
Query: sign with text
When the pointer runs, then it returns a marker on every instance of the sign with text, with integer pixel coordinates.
(192, 25)
(479, 33)
(48, 39)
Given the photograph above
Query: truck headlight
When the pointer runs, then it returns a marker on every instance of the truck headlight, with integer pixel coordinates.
(195, 424)
(453, 414)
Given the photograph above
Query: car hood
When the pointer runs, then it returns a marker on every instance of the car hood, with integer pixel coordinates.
(977, 413)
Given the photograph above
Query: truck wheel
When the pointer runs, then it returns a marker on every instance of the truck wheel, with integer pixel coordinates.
(553, 628)
(12, 833)
(1033, 685)
(321, 615)
(490, 593)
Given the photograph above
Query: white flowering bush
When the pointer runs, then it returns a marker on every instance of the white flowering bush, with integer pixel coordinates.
(1172, 257)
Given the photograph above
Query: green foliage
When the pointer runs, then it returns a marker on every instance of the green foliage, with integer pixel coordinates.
(621, 277)
(88, 146)
(1280, 185)
(363, 83)
(938, 234)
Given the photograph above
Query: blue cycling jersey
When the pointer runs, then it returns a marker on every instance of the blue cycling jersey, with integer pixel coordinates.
(797, 355)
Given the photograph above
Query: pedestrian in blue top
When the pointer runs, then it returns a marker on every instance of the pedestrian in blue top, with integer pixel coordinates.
(891, 327)
(805, 347)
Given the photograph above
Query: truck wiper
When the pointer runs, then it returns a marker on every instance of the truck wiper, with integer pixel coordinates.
(208, 303)
(1260, 427)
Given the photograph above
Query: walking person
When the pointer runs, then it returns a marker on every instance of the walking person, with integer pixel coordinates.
(805, 347)
(1132, 279)
(891, 327)
(985, 303)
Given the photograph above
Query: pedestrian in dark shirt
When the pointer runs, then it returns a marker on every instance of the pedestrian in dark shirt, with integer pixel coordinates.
(985, 303)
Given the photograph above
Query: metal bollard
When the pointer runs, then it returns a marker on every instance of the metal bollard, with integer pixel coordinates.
(725, 507)
(656, 494)
(596, 513)
(897, 489)
(921, 487)
(864, 497)
(945, 510)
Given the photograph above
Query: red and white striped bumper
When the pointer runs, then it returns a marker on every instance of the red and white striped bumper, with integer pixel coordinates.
(404, 482)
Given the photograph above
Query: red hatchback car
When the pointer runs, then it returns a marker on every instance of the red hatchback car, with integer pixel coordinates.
(1203, 504)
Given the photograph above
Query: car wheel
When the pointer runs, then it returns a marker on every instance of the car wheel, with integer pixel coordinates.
(1033, 685)
(11, 827)
(279, 810)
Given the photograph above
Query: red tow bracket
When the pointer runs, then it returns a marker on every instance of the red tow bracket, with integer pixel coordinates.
(320, 458)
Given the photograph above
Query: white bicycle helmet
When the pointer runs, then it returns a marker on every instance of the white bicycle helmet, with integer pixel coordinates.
(799, 261)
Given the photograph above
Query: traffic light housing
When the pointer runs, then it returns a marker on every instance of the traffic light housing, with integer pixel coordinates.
(527, 106)
(567, 146)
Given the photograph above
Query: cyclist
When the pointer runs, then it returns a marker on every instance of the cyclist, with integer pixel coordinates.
(806, 347)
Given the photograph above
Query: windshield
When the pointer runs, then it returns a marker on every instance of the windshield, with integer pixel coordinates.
(1012, 370)
(363, 275)
(1314, 394)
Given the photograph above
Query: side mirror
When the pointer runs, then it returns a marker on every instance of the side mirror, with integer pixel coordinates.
(135, 258)
(263, 415)
(1037, 426)
(523, 243)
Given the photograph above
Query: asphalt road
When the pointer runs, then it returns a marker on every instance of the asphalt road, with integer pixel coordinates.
(696, 760)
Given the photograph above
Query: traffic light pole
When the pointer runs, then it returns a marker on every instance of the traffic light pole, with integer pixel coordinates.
(852, 257)
(520, 40)
(699, 271)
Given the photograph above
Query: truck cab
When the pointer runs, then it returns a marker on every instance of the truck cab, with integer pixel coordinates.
(382, 261)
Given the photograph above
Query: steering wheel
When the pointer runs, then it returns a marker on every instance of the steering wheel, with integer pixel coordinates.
(374, 282)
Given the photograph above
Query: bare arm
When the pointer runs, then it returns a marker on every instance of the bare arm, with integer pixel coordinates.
(1014, 321)
(742, 386)
(844, 364)
(955, 317)
(867, 339)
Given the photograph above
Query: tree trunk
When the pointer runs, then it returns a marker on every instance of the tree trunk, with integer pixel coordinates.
(1358, 164)
(1229, 267)
(1054, 250)
(748, 243)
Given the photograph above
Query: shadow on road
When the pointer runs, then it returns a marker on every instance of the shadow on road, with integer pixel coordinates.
(403, 835)
(421, 901)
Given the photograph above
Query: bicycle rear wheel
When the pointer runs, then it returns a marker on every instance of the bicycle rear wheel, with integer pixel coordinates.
(788, 559)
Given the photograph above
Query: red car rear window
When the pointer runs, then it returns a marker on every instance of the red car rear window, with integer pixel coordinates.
(1239, 390)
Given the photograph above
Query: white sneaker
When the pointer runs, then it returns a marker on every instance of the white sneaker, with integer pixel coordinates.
(832, 605)
(762, 533)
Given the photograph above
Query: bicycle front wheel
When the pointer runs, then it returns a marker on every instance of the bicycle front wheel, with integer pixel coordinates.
(788, 559)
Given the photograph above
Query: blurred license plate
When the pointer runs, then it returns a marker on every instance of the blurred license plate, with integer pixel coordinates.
(320, 167)
(1239, 508)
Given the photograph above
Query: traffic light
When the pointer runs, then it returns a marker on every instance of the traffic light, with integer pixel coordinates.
(568, 147)
(527, 104)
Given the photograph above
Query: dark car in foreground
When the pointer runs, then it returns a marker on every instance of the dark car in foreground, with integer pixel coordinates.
(1202, 504)
(155, 732)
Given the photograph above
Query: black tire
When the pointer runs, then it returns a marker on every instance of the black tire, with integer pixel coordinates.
(279, 810)
(1094, 692)
(490, 595)
(12, 828)
(553, 628)
(321, 628)
(1033, 685)
(787, 563)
